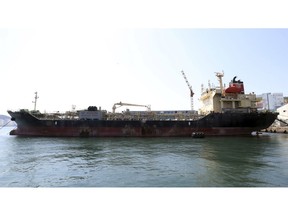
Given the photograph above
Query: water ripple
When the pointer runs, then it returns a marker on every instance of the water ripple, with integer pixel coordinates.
(152, 162)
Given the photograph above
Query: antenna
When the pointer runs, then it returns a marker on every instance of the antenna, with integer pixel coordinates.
(35, 100)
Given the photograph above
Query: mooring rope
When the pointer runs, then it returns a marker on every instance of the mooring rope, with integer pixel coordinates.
(5, 125)
(284, 122)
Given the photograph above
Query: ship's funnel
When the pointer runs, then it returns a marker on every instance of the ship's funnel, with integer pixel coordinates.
(235, 86)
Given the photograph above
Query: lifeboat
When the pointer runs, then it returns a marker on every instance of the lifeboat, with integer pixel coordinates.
(233, 89)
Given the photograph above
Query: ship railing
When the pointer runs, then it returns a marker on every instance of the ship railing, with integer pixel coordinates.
(266, 111)
(54, 116)
(162, 117)
(239, 110)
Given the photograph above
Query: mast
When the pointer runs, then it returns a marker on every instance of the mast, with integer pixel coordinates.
(220, 75)
(35, 100)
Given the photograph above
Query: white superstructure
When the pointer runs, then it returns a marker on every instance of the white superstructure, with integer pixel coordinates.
(231, 99)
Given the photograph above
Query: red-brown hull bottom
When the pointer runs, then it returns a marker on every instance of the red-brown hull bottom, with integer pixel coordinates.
(131, 132)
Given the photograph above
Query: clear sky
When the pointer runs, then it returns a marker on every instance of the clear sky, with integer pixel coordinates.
(90, 64)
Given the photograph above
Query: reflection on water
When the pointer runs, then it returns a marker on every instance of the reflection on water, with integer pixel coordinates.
(136, 162)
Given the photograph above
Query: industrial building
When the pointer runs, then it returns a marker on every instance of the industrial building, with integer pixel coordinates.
(270, 101)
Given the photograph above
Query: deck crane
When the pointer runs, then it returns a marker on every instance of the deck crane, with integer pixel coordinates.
(117, 105)
(190, 88)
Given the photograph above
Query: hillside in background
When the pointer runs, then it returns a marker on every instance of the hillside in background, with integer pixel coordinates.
(6, 120)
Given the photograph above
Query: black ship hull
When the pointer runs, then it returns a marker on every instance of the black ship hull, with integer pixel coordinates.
(214, 124)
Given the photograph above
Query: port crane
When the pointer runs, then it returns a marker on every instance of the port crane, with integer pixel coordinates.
(117, 105)
(190, 88)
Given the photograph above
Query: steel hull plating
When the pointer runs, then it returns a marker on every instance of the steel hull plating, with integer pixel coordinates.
(214, 124)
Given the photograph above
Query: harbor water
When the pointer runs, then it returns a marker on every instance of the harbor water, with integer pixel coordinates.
(144, 162)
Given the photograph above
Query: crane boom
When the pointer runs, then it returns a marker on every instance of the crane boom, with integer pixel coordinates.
(190, 88)
(117, 105)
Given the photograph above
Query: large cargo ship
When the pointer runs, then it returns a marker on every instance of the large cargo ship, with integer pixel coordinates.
(224, 112)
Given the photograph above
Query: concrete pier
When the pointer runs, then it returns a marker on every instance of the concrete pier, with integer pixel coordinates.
(276, 129)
